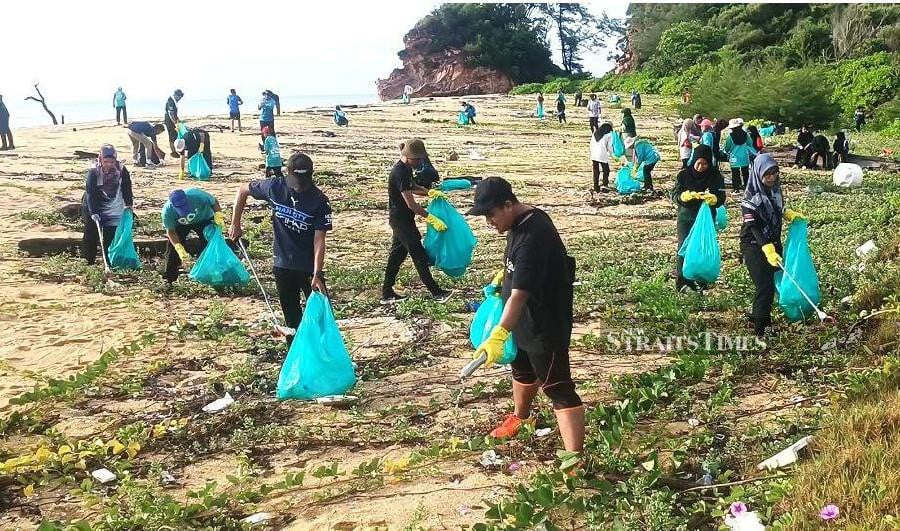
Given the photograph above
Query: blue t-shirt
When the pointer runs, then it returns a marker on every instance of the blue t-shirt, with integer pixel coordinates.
(119, 98)
(267, 110)
(202, 209)
(234, 102)
(273, 153)
(296, 217)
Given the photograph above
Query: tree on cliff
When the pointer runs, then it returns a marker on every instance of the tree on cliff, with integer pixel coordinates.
(498, 36)
(578, 31)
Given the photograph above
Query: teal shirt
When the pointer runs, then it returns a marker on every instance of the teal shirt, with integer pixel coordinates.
(202, 204)
(645, 153)
(273, 152)
(708, 139)
(739, 155)
(119, 98)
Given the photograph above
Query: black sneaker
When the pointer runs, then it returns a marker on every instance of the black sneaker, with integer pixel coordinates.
(442, 296)
(391, 297)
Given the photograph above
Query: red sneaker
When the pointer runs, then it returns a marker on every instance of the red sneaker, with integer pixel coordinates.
(510, 427)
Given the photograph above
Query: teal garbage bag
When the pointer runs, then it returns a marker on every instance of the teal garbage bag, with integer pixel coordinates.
(702, 259)
(122, 253)
(625, 183)
(486, 318)
(198, 168)
(799, 265)
(767, 131)
(317, 363)
(455, 184)
(451, 250)
(217, 264)
(463, 118)
(182, 129)
(617, 144)
(721, 218)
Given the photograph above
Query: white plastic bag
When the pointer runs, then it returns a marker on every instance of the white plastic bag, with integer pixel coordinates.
(848, 175)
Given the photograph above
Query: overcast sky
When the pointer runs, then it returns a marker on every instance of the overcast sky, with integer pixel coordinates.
(85, 49)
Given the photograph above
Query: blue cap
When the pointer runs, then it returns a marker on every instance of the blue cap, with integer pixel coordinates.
(180, 203)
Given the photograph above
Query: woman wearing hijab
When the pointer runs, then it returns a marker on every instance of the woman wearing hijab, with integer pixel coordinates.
(841, 148)
(107, 193)
(763, 210)
(756, 138)
(739, 149)
(708, 138)
(539, 112)
(686, 139)
(601, 149)
(804, 141)
(699, 182)
(628, 124)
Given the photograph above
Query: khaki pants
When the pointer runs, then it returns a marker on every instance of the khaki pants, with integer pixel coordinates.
(136, 140)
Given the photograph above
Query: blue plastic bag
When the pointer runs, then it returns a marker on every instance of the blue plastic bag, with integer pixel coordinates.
(721, 218)
(486, 318)
(122, 253)
(217, 264)
(455, 184)
(317, 363)
(798, 263)
(625, 183)
(182, 129)
(451, 250)
(198, 168)
(702, 259)
(767, 131)
(617, 144)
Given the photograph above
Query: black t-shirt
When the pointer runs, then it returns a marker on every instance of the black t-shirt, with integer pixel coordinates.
(171, 109)
(296, 216)
(192, 140)
(401, 179)
(537, 262)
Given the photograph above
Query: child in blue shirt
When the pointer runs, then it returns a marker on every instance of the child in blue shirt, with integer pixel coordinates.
(273, 154)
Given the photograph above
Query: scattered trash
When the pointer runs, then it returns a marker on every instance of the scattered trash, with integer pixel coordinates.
(543, 432)
(490, 459)
(453, 155)
(258, 518)
(706, 480)
(218, 405)
(337, 400)
(103, 475)
(785, 457)
(693, 423)
(476, 155)
(166, 478)
(847, 175)
(464, 510)
(472, 306)
(516, 466)
(847, 300)
(866, 248)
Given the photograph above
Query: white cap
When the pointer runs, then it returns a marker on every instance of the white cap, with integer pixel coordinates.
(735, 122)
(629, 142)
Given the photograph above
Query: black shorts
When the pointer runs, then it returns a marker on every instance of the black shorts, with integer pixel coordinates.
(550, 366)
(234, 115)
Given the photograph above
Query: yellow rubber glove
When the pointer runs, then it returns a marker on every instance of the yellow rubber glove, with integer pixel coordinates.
(182, 252)
(181, 174)
(689, 195)
(498, 277)
(710, 199)
(219, 219)
(438, 225)
(492, 347)
(435, 194)
(791, 215)
(771, 255)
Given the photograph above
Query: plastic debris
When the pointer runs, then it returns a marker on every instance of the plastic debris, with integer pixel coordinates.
(476, 155)
(337, 400)
(543, 432)
(847, 175)
(866, 248)
(785, 457)
(218, 405)
(693, 423)
(103, 475)
(490, 459)
(258, 518)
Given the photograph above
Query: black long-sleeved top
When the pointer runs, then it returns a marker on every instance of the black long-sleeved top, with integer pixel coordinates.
(686, 180)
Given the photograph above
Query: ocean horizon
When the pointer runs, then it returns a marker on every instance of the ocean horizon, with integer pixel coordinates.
(27, 114)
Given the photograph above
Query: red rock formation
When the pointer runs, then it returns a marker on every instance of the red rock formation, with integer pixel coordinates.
(442, 73)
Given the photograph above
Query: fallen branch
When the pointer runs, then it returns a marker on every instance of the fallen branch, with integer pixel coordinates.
(40, 99)
(734, 483)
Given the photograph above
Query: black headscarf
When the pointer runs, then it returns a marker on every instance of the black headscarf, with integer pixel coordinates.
(702, 151)
(604, 129)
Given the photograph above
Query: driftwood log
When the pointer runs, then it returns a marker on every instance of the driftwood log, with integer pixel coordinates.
(50, 245)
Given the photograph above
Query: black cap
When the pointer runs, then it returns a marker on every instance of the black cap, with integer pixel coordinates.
(300, 164)
(491, 193)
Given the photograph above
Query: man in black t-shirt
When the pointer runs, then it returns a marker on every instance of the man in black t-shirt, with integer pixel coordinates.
(406, 237)
(171, 118)
(537, 292)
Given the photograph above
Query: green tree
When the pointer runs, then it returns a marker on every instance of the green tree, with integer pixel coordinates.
(683, 45)
(577, 31)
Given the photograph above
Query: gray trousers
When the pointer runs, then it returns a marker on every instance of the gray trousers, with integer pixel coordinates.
(136, 140)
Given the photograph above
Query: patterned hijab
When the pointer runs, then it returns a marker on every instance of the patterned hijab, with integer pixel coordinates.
(768, 203)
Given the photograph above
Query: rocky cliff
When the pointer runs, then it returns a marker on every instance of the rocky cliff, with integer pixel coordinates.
(441, 73)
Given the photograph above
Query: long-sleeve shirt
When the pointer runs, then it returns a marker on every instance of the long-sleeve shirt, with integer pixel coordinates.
(601, 149)
(686, 181)
(645, 153)
(739, 154)
(107, 196)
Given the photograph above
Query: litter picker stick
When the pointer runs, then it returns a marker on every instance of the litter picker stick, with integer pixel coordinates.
(472, 366)
(102, 247)
(824, 317)
(283, 329)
